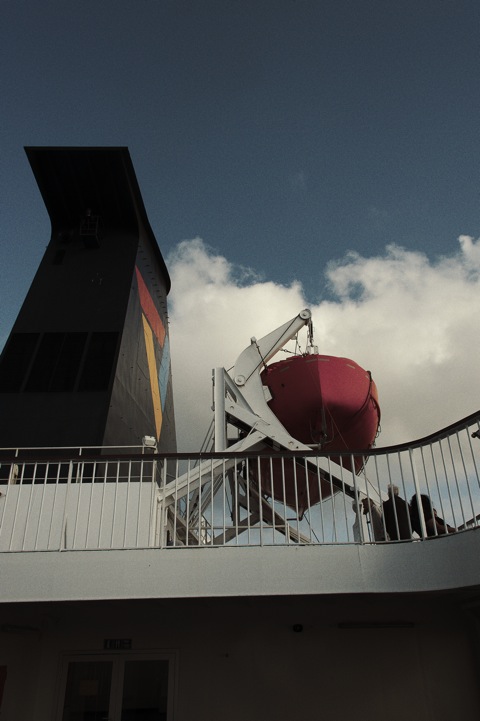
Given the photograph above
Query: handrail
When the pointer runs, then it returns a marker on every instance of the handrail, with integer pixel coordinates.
(90, 497)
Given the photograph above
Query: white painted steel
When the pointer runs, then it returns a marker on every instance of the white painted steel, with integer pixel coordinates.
(448, 563)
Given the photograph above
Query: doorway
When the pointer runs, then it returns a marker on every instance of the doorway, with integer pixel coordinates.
(117, 687)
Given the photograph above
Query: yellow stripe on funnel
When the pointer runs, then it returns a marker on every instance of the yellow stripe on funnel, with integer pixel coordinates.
(152, 369)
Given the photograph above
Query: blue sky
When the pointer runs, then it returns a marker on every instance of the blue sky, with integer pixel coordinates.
(284, 134)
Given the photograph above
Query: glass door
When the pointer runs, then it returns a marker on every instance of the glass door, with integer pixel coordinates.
(87, 692)
(145, 690)
(117, 688)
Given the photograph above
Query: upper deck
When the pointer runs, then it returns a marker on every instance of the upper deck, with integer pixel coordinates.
(119, 523)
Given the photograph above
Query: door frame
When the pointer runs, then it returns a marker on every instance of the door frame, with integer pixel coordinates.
(118, 659)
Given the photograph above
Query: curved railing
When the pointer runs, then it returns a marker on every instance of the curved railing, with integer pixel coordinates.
(91, 498)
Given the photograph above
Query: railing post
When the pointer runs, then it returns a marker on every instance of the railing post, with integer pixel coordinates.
(63, 531)
(362, 520)
(417, 493)
(153, 506)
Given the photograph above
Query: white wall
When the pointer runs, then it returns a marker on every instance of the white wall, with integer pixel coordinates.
(445, 563)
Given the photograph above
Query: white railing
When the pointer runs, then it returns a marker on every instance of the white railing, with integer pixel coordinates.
(73, 499)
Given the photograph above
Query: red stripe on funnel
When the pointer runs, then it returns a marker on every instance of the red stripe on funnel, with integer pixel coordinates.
(149, 309)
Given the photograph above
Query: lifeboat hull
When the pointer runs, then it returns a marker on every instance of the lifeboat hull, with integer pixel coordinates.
(324, 401)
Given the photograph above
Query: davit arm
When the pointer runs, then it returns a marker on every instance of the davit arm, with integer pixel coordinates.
(243, 397)
(241, 400)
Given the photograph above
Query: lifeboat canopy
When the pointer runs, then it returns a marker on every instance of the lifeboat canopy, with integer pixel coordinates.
(328, 403)
(324, 401)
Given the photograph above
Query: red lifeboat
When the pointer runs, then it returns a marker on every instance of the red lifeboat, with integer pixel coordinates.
(324, 401)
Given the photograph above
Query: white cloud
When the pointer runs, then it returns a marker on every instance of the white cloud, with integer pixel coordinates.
(412, 322)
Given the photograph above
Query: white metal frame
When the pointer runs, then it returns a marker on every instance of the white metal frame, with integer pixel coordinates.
(242, 401)
(118, 659)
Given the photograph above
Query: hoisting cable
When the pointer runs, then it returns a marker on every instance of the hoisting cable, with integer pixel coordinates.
(268, 352)
(263, 359)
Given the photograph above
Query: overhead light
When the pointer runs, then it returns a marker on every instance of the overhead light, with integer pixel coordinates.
(381, 624)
